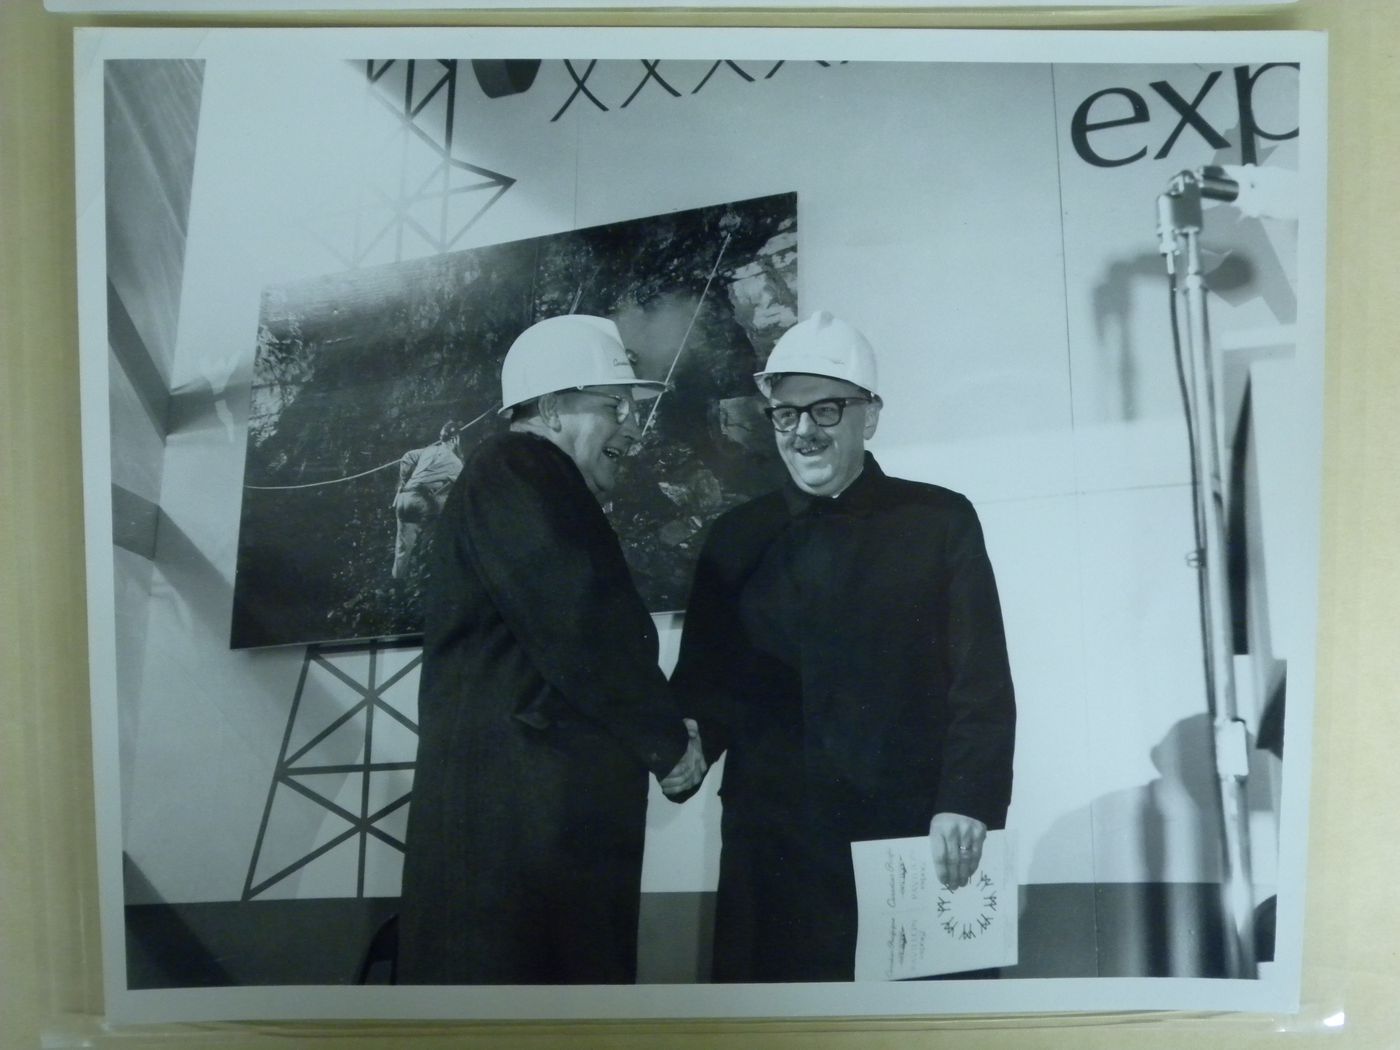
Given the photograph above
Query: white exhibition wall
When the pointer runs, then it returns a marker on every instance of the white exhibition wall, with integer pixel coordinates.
(1020, 309)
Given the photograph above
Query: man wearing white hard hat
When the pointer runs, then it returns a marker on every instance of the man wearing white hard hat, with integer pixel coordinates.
(541, 707)
(844, 644)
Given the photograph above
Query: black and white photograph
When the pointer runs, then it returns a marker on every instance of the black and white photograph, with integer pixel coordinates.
(608, 523)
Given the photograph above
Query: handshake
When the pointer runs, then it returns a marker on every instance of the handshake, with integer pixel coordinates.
(690, 770)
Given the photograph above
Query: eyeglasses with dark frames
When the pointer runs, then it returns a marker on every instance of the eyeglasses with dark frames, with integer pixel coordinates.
(825, 413)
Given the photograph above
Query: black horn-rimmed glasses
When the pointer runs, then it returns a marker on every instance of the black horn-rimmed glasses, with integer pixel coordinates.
(825, 413)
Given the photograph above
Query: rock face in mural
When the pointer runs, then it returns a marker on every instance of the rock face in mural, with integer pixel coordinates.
(762, 294)
(355, 370)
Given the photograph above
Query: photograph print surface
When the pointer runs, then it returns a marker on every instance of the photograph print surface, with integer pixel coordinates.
(299, 267)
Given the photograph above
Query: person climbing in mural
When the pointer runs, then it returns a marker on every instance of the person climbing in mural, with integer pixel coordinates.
(425, 476)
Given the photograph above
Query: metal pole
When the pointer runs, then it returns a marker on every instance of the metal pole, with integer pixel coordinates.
(1230, 739)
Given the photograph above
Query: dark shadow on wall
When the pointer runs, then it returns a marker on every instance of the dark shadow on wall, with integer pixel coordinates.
(1162, 915)
(191, 579)
(217, 401)
(151, 123)
(1180, 810)
(1114, 326)
(1231, 273)
(1248, 266)
(1170, 825)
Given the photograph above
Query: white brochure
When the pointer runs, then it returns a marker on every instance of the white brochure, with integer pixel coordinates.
(911, 925)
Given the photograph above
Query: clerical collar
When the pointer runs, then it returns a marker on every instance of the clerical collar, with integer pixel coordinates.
(854, 498)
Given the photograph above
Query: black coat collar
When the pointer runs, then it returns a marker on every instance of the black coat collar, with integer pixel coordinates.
(860, 496)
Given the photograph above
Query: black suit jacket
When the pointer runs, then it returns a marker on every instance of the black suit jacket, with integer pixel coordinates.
(541, 711)
(850, 656)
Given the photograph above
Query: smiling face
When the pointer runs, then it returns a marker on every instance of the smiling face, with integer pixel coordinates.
(823, 460)
(592, 436)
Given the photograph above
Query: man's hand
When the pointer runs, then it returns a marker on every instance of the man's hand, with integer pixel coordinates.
(690, 770)
(957, 847)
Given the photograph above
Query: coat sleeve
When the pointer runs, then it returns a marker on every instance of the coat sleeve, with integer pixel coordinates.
(980, 738)
(555, 572)
(711, 641)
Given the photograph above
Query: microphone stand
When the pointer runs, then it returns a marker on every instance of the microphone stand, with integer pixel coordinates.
(1180, 215)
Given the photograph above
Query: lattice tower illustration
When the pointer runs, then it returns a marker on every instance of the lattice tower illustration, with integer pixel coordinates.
(417, 197)
(337, 807)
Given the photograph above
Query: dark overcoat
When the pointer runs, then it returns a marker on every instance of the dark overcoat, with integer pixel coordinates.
(541, 712)
(849, 654)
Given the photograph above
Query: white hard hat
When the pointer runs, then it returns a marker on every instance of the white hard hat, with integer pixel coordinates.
(822, 345)
(568, 353)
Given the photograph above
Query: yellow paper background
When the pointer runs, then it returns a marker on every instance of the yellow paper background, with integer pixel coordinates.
(50, 986)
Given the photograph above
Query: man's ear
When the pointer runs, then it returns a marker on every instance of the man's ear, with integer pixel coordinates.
(872, 417)
(548, 411)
